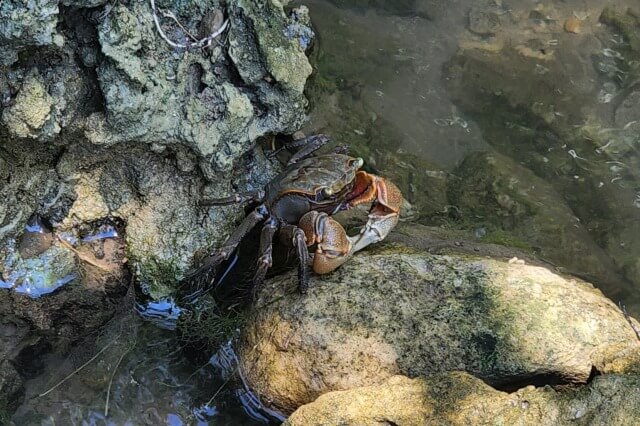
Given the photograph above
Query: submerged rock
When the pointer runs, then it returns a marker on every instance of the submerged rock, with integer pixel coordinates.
(580, 132)
(459, 399)
(518, 208)
(398, 310)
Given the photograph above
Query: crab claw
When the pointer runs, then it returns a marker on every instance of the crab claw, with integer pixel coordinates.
(384, 213)
(332, 243)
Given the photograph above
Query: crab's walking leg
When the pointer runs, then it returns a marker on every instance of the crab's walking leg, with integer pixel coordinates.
(265, 259)
(294, 236)
(307, 146)
(210, 263)
(241, 197)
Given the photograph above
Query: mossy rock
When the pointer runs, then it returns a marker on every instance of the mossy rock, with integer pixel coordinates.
(405, 311)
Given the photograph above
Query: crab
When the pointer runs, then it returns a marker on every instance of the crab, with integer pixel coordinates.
(298, 205)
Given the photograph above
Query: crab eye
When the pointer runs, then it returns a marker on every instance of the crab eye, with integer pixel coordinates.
(327, 192)
(358, 162)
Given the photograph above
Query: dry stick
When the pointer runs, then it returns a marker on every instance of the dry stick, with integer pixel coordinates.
(77, 370)
(630, 320)
(201, 43)
(115, 369)
(81, 256)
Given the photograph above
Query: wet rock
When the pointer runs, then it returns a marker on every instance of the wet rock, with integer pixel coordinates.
(27, 187)
(403, 311)
(25, 25)
(628, 22)
(460, 399)
(200, 109)
(11, 389)
(522, 210)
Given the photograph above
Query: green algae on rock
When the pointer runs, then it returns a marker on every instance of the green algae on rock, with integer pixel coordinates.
(402, 311)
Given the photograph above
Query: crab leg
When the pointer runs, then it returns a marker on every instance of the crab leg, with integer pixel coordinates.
(385, 210)
(266, 249)
(240, 197)
(208, 271)
(307, 146)
(295, 237)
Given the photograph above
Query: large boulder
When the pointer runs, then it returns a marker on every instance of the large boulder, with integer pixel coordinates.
(460, 399)
(399, 310)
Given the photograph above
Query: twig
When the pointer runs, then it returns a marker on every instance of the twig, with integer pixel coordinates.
(635, 328)
(170, 15)
(81, 256)
(113, 375)
(205, 42)
(77, 370)
(235, 371)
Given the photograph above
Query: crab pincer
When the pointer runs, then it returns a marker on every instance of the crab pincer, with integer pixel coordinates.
(386, 201)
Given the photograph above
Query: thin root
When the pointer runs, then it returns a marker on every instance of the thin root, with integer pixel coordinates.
(205, 42)
(77, 370)
(633, 325)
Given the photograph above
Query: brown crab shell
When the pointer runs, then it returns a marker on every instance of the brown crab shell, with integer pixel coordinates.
(310, 176)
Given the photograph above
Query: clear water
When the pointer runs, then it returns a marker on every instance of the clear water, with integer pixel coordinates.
(390, 80)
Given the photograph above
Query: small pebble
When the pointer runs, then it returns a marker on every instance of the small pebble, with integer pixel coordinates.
(572, 25)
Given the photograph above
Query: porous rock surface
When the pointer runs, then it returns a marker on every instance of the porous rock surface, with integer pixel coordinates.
(399, 310)
(103, 121)
(101, 118)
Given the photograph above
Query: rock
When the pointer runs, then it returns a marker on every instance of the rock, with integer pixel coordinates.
(26, 24)
(520, 209)
(200, 109)
(459, 399)
(31, 112)
(403, 311)
(158, 203)
(26, 184)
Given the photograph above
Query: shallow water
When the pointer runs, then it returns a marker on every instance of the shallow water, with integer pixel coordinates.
(392, 81)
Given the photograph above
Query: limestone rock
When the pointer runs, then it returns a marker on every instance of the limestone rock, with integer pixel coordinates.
(459, 399)
(32, 110)
(402, 311)
(26, 24)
